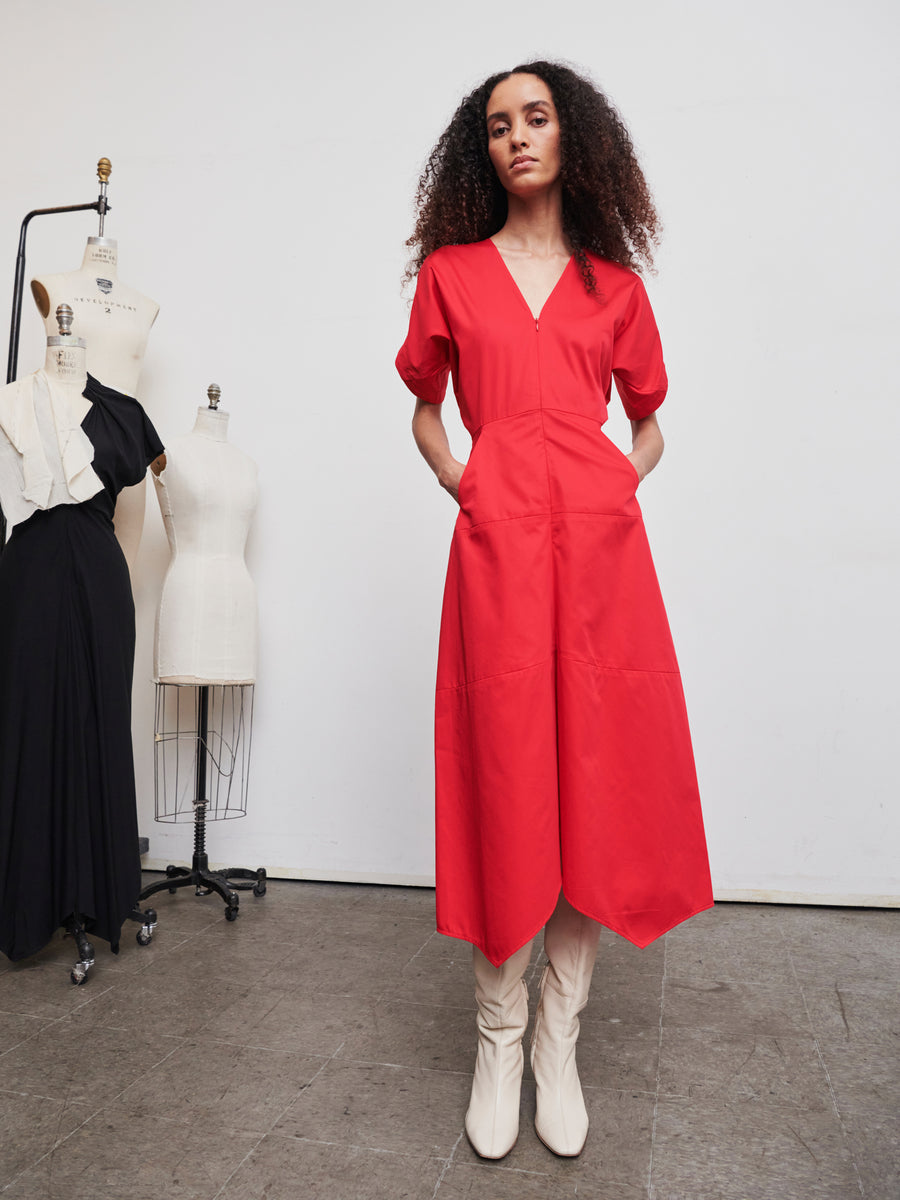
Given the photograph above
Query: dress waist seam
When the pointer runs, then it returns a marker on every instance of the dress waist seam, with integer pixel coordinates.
(527, 412)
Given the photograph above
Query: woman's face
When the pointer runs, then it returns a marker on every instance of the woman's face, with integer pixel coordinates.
(523, 134)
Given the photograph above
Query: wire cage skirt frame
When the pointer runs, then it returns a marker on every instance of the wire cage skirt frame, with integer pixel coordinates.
(202, 739)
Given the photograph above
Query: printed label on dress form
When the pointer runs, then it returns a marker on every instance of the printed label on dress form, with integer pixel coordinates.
(107, 304)
(69, 364)
(107, 255)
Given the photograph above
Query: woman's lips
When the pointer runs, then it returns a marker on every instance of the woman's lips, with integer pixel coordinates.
(522, 161)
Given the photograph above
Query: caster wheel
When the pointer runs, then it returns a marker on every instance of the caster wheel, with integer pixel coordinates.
(143, 938)
(231, 914)
(259, 888)
(172, 891)
(77, 975)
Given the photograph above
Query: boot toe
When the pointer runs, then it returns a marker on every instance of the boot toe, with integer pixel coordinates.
(490, 1140)
(566, 1141)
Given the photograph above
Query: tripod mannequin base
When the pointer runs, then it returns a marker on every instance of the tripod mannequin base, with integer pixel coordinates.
(225, 883)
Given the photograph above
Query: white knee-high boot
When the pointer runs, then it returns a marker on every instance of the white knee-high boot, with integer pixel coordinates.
(570, 943)
(492, 1120)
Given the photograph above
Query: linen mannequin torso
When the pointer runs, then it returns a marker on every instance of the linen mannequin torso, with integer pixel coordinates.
(44, 455)
(115, 320)
(207, 624)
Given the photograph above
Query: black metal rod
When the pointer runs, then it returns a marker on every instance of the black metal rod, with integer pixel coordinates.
(200, 859)
(19, 284)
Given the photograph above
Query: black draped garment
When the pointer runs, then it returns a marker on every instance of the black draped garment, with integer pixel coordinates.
(68, 821)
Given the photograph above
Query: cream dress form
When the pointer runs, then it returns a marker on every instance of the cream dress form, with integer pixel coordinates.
(207, 623)
(115, 321)
(52, 462)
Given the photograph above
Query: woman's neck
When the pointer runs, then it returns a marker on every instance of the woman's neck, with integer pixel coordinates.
(67, 365)
(101, 254)
(534, 225)
(211, 423)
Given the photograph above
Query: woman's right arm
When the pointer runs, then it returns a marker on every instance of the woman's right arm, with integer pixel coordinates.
(434, 446)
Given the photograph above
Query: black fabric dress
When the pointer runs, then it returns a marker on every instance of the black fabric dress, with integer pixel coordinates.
(68, 821)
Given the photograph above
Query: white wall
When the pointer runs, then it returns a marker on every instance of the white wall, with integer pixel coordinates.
(264, 158)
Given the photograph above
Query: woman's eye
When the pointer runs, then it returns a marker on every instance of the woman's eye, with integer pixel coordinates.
(498, 131)
(539, 121)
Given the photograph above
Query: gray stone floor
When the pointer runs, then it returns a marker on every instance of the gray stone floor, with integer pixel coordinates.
(322, 1046)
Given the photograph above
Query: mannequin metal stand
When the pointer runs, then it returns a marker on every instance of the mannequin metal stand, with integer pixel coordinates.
(205, 881)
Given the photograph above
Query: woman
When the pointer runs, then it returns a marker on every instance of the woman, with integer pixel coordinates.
(566, 790)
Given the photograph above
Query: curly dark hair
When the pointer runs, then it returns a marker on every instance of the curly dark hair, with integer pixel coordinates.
(606, 204)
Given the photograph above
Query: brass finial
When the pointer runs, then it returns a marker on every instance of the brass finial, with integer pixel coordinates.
(214, 392)
(104, 170)
(64, 319)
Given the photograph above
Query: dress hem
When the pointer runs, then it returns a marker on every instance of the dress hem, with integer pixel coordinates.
(607, 924)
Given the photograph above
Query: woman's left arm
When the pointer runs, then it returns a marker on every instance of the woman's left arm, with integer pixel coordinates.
(646, 444)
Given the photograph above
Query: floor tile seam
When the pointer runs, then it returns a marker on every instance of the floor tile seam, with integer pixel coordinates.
(837, 1112)
(707, 984)
(310, 1141)
(803, 1037)
(424, 945)
(678, 1098)
(448, 1162)
(374, 1062)
(247, 1156)
(270, 1131)
(630, 1091)
(662, 1007)
(254, 1046)
(412, 958)
(866, 981)
(846, 1044)
(129, 1029)
(723, 978)
(468, 1007)
(326, 921)
(56, 1145)
(118, 1096)
(48, 1021)
(23, 1041)
(746, 1029)
(34, 1095)
(208, 978)
(500, 1166)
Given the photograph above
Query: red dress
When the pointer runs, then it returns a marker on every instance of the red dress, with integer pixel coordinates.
(562, 750)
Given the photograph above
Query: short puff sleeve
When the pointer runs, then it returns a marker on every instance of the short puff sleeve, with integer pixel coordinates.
(637, 363)
(424, 358)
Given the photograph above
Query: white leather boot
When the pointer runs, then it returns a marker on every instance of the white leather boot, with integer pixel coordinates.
(570, 943)
(492, 1119)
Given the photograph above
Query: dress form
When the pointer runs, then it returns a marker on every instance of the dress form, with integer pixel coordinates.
(45, 456)
(207, 623)
(115, 320)
(65, 362)
(68, 820)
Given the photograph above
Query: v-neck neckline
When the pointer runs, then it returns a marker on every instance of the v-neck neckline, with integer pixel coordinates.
(535, 316)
